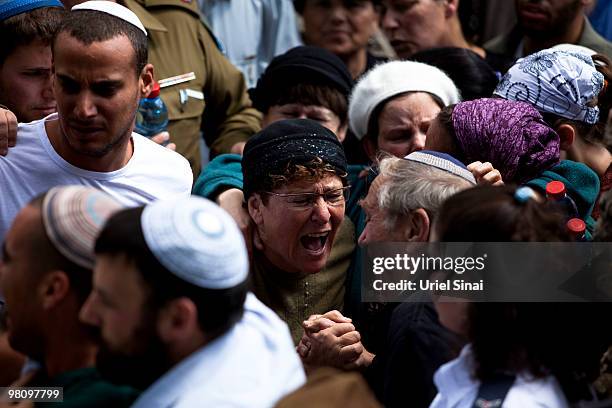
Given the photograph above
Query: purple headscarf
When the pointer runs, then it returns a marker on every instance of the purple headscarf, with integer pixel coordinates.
(511, 135)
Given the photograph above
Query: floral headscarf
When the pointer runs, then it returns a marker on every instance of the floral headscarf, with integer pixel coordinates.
(559, 82)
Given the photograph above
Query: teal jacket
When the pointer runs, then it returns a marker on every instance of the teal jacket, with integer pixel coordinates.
(581, 184)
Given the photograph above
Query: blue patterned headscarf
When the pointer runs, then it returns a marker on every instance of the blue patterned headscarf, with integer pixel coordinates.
(559, 82)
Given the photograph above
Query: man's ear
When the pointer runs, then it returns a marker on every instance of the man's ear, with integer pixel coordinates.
(178, 321)
(567, 135)
(451, 8)
(419, 224)
(54, 286)
(146, 80)
(341, 133)
(369, 146)
(254, 206)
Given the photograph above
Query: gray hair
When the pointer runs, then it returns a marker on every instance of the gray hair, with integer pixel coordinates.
(409, 185)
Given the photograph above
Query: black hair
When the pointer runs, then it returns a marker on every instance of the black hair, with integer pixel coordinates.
(218, 309)
(566, 340)
(445, 118)
(472, 75)
(23, 29)
(492, 214)
(90, 26)
(603, 232)
(309, 94)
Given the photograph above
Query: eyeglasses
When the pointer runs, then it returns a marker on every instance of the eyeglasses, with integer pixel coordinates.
(305, 201)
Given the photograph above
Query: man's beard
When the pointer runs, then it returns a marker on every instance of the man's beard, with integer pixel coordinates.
(557, 26)
(140, 368)
(104, 150)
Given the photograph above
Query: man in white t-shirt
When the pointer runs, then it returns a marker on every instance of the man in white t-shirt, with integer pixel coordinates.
(99, 75)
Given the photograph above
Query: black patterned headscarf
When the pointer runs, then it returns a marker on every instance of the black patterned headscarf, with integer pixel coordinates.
(289, 142)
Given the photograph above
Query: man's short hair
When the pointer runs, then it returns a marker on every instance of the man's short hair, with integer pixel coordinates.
(25, 28)
(90, 26)
(409, 185)
(218, 309)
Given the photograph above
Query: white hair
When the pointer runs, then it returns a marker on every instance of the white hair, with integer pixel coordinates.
(409, 185)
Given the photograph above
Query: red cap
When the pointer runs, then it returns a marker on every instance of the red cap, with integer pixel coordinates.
(555, 190)
(155, 91)
(576, 226)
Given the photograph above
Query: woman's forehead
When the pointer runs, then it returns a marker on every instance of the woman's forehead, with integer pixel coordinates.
(328, 182)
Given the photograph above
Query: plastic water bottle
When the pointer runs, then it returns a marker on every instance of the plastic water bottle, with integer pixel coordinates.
(555, 191)
(152, 114)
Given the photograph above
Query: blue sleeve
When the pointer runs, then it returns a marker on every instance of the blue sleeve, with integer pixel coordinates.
(222, 173)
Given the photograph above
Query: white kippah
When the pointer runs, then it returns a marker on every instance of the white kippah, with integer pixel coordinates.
(197, 241)
(442, 161)
(113, 9)
(394, 78)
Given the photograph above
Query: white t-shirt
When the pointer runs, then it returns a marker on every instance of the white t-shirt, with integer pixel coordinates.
(33, 167)
(457, 388)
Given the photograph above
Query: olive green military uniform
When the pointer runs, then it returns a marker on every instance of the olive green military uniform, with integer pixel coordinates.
(179, 43)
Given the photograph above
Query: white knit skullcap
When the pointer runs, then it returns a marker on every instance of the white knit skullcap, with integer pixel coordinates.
(197, 241)
(394, 78)
(442, 161)
(113, 9)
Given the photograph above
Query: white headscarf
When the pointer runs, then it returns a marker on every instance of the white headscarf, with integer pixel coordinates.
(395, 78)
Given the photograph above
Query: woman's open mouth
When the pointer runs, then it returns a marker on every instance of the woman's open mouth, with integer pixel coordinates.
(315, 243)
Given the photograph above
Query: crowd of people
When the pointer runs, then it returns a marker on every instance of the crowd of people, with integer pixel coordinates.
(139, 273)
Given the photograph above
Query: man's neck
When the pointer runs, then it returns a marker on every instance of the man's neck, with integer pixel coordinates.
(570, 36)
(454, 38)
(595, 156)
(181, 351)
(69, 349)
(116, 159)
